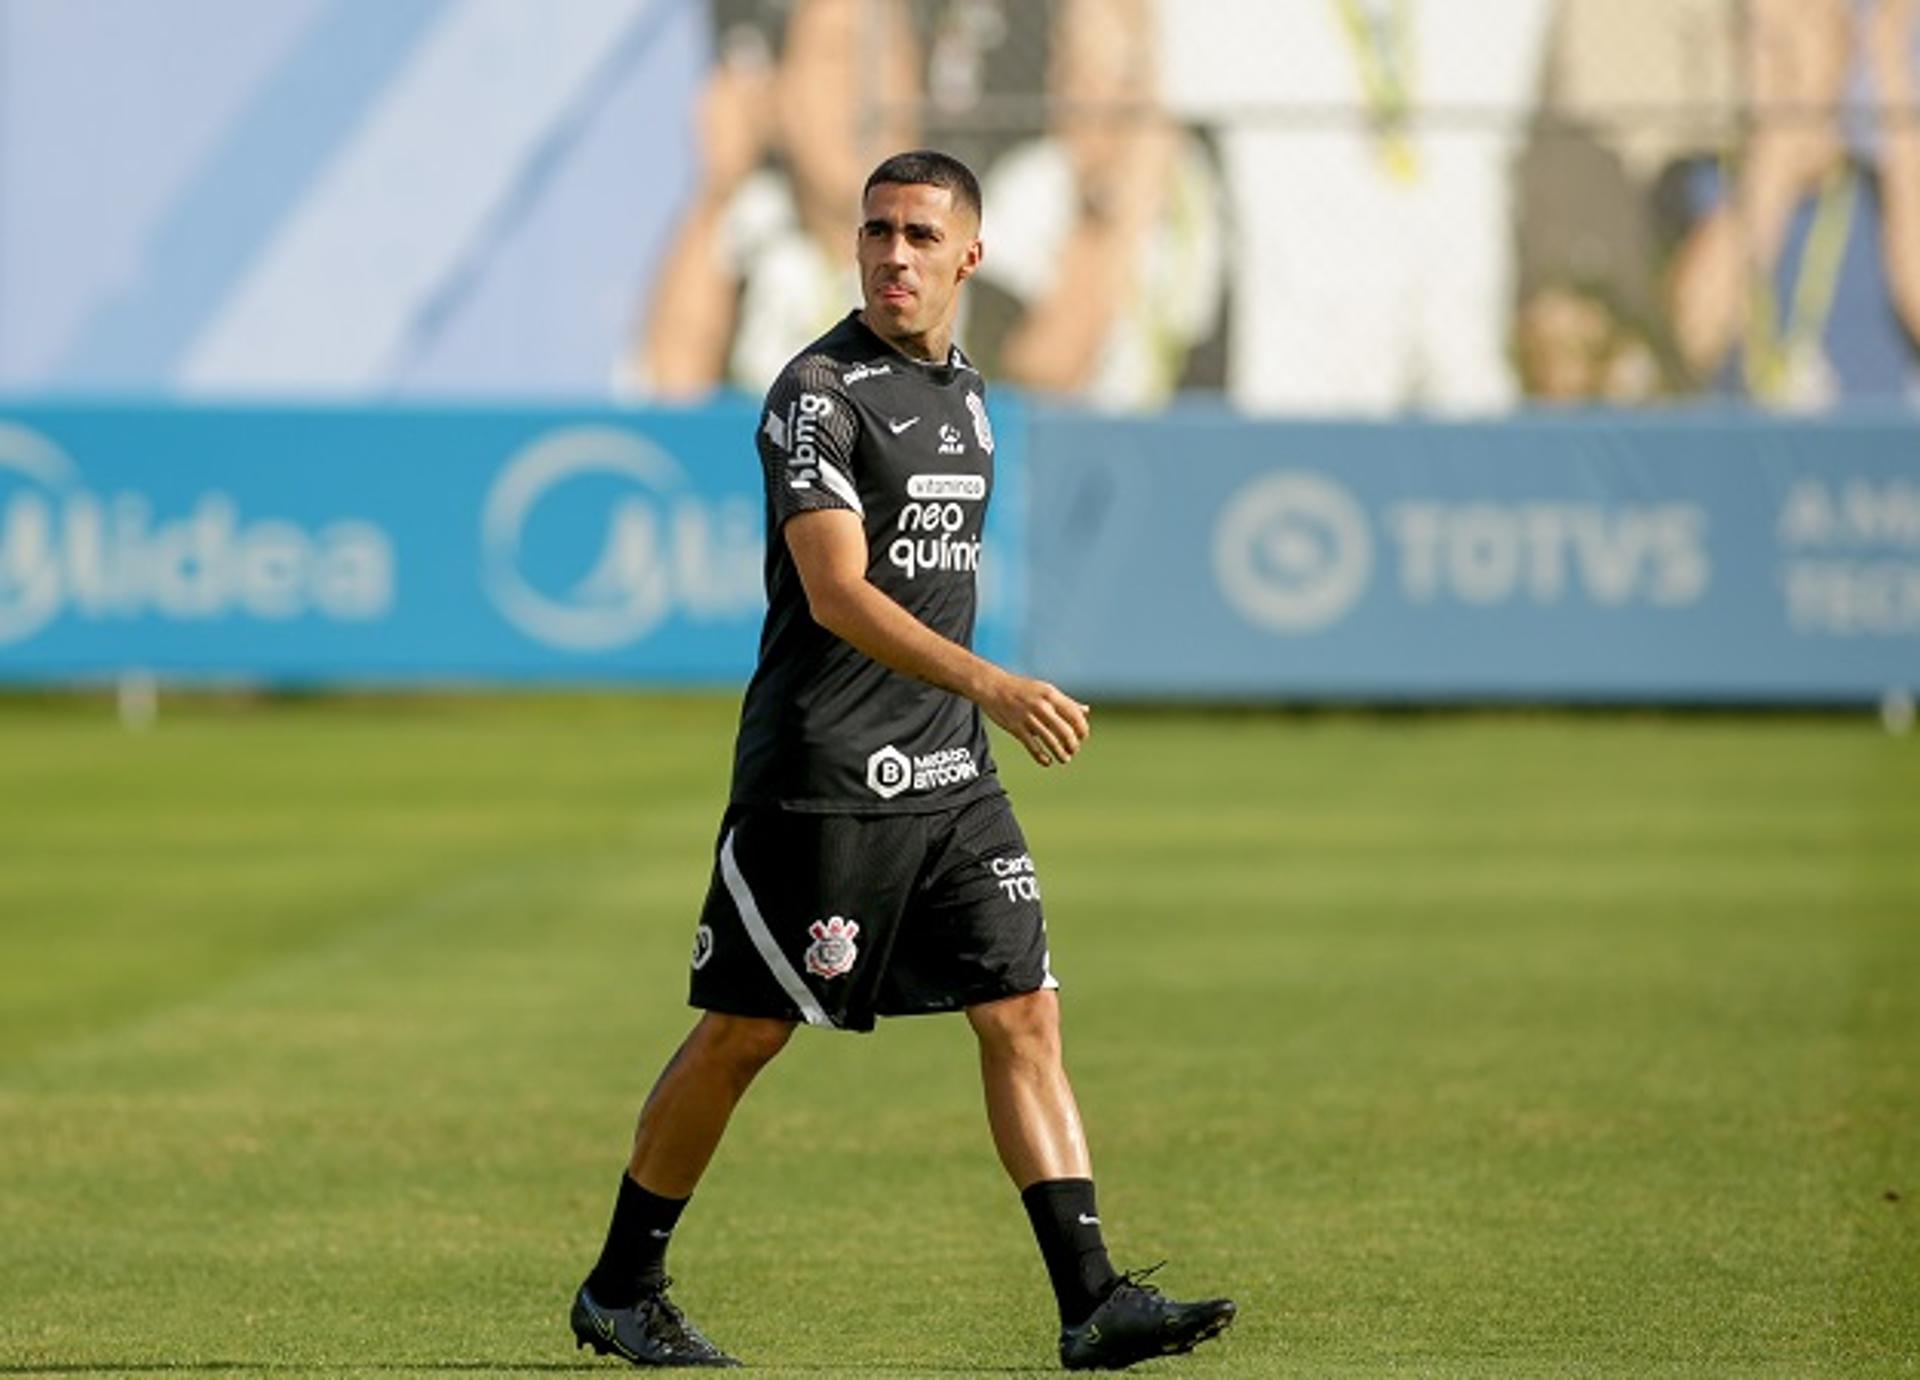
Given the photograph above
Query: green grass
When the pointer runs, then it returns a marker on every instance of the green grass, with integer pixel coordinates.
(1454, 1045)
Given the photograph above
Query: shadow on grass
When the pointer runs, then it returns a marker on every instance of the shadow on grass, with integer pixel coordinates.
(289, 1367)
(455, 1367)
(285, 1367)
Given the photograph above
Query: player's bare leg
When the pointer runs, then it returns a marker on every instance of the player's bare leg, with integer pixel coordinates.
(1107, 1320)
(687, 1112)
(1030, 1104)
(623, 1307)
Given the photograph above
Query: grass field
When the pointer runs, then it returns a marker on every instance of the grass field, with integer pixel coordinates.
(1450, 1045)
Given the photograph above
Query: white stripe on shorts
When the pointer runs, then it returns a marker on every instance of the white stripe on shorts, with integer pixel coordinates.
(763, 940)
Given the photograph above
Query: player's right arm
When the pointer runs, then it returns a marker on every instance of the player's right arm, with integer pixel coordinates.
(829, 548)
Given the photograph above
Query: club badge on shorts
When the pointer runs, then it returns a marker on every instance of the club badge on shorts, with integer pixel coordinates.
(833, 952)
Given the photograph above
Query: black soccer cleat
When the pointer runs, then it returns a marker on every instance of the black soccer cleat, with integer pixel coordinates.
(1136, 1322)
(650, 1333)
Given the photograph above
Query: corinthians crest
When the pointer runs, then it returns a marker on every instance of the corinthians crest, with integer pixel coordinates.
(982, 429)
(833, 952)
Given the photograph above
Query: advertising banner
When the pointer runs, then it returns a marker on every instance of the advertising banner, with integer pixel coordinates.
(401, 546)
(1695, 557)
(1197, 555)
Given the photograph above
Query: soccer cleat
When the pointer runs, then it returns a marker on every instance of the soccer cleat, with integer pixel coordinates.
(1137, 1322)
(650, 1333)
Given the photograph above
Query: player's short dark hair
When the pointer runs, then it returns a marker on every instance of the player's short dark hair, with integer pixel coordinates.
(929, 168)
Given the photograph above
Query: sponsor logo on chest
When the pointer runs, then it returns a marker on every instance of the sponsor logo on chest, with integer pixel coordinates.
(931, 529)
(970, 488)
(860, 373)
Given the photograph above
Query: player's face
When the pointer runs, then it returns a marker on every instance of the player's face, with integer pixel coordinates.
(915, 249)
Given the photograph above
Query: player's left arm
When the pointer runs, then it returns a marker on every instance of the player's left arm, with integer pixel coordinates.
(829, 547)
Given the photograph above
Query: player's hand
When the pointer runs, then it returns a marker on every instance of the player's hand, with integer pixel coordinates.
(1049, 723)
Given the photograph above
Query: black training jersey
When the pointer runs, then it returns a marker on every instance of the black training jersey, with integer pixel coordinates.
(852, 423)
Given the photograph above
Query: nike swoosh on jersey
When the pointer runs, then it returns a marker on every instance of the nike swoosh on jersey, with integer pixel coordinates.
(897, 427)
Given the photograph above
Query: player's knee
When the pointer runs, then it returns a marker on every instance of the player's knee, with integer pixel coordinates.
(1026, 1026)
(742, 1044)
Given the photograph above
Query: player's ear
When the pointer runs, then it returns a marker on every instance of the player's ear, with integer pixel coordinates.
(970, 260)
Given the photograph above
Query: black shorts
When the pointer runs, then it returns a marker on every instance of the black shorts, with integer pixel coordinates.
(835, 919)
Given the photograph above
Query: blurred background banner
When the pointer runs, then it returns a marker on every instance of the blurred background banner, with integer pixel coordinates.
(336, 198)
(377, 546)
(1194, 555)
(296, 295)
(1348, 207)
(1545, 558)
(396, 546)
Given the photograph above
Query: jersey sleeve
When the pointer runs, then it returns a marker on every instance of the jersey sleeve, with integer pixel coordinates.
(806, 439)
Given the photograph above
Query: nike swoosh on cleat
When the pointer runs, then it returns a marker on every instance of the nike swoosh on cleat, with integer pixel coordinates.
(605, 1327)
(897, 427)
(607, 1331)
(599, 1321)
(1087, 1221)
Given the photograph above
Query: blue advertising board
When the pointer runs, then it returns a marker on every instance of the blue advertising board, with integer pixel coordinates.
(1192, 555)
(401, 546)
(1688, 557)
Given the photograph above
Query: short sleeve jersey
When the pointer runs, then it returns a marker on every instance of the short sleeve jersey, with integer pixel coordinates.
(851, 423)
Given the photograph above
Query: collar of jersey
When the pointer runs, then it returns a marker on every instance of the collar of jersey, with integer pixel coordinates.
(955, 361)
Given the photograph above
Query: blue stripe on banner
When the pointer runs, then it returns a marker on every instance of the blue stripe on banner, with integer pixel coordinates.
(275, 149)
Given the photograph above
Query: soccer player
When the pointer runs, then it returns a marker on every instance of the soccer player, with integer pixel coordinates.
(868, 861)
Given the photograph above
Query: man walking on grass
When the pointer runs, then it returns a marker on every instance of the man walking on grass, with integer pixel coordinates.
(869, 863)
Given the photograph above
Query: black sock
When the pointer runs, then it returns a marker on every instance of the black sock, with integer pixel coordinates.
(635, 1255)
(1067, 1225)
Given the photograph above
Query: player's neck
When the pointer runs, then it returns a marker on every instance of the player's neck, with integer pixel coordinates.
(928, 347)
